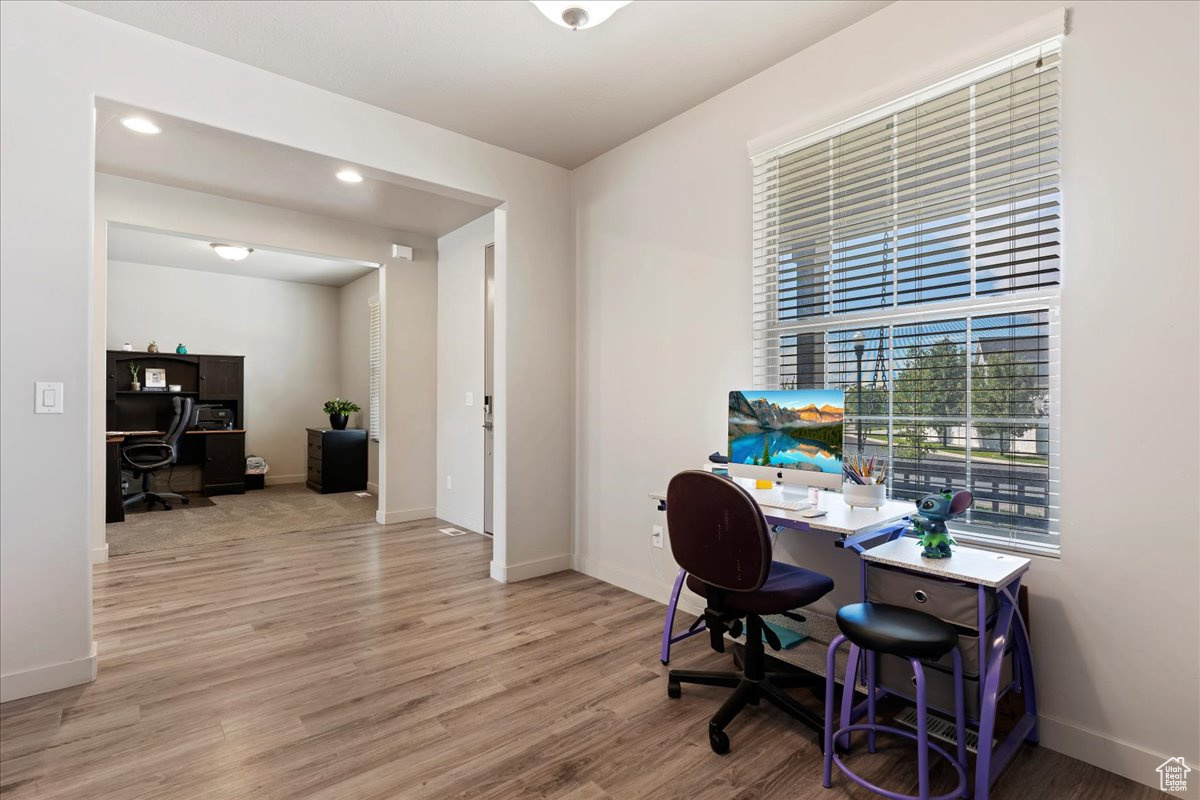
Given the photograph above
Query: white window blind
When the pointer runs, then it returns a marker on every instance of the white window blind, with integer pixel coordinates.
(911, 257)
(374, 364)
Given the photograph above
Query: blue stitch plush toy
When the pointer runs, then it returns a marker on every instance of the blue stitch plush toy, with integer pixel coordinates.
(929, 522)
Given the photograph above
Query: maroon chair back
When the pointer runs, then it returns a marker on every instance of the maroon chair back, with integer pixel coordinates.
(718, 533)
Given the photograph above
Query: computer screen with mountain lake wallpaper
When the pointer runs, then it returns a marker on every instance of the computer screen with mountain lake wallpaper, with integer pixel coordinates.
(789, 429)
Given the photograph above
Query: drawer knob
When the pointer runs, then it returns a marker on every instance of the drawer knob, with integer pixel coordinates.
(920, 596)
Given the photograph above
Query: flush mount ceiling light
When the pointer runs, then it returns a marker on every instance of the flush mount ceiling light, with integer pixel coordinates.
(231, 252)
(349, 176)
(140, 125)
(577, 14)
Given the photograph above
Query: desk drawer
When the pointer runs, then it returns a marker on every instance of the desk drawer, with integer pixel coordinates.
(956, 603)
(314, 444)
(896, 675)
(314, 470)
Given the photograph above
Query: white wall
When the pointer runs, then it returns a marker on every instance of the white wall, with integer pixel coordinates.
(663, 258)
(460, 370)
(54, 60)
(282, 328)
(152, 205)
(354, 376)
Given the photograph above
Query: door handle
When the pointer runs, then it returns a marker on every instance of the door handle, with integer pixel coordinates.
(487, 426)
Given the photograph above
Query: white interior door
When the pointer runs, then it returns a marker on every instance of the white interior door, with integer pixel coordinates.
(489, 399)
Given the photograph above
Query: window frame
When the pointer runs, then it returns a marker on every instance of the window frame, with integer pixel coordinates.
(770, 330)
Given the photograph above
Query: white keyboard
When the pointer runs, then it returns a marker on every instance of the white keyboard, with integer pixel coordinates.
(786, 505)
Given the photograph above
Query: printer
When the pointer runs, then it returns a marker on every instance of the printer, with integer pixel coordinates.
(211, 418)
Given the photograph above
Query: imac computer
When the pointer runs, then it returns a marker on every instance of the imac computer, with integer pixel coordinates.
(791, 437)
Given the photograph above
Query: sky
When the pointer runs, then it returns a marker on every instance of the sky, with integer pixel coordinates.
(799, 398)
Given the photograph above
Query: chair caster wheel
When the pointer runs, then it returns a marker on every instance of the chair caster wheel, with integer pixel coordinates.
(185, 501)
(664, 663)
(718, 741)
(674, 690)
(166, 507)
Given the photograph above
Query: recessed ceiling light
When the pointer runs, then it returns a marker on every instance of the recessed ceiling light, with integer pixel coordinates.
(231, 252)
(140, 125)
(576, 14)
(349, 176)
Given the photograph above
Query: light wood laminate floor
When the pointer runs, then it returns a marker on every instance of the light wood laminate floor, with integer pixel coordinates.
(382, 662)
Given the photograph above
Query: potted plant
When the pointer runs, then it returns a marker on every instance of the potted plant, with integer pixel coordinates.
(339, 412)
(134, 384)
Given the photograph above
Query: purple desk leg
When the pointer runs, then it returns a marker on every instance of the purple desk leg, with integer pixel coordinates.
(1009, 627)
(668, 627)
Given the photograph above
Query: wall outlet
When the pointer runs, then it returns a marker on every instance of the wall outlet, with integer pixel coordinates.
(656, 536)
(449, 483)
(470, 399)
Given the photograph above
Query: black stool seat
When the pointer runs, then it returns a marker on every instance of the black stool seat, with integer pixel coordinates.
(897, 631)
(786, 587)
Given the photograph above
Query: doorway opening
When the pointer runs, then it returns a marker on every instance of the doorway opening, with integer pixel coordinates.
(330, 307)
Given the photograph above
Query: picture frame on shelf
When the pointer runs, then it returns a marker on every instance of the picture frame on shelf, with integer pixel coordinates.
(155, 378)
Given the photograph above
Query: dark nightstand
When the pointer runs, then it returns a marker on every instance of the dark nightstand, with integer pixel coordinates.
(337, 460)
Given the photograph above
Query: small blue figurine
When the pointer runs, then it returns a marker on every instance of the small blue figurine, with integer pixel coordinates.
(929, 522)
(181, 349)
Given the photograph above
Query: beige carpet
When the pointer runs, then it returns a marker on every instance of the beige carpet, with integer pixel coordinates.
(264, 512)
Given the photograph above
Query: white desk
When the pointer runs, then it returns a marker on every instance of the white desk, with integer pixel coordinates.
(966, 564)
(1000, 573)
(846, 521)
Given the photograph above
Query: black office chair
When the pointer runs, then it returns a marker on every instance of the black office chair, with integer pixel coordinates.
(719, 536)
(144, 457)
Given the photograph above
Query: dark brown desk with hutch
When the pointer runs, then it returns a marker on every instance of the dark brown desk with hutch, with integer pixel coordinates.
(208, 379)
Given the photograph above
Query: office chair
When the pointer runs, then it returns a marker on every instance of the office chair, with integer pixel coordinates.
(719, 536)
(147, 456)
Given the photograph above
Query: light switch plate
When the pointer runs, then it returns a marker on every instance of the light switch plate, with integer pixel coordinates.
(47, 398)
(470, 399)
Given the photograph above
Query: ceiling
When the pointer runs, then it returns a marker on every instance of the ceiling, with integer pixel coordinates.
(166, 249)
(497, 70)
(205, 159)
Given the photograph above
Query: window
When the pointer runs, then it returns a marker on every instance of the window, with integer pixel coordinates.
(911, 257)
(374, 365)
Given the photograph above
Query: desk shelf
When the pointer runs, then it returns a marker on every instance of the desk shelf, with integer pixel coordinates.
(152, 393)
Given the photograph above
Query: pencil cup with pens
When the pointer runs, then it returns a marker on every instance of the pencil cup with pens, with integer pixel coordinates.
(865, 481)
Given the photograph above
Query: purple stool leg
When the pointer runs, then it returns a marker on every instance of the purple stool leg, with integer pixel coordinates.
(871, 700)
(670, 623)
(850, 679)
(830, 688)
(922, 733)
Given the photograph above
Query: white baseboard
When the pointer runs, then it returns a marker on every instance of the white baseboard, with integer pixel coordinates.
(100, 554)
(373, 488)
(469, 522)
(27, 683)
(626, 579)
(1123, 758)
(276, 480)
(514, 573)
(403, 515)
